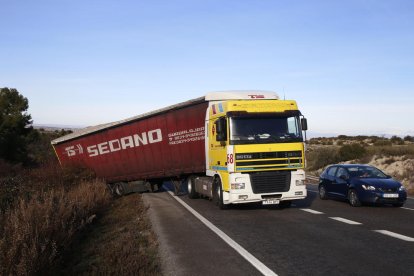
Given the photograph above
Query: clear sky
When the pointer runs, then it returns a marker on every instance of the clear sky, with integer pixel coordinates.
(349, 64)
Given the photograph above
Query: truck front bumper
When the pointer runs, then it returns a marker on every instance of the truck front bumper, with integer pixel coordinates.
(241, 190)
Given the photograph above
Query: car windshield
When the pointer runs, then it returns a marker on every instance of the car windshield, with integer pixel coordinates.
(264, 129)
(366, 172)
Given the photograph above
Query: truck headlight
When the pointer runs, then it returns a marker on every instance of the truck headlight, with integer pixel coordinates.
(237, 186)
(300, 182)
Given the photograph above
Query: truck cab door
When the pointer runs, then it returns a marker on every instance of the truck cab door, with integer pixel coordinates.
(218, 144)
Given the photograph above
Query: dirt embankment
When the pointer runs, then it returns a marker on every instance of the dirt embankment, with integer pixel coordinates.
(400, 167)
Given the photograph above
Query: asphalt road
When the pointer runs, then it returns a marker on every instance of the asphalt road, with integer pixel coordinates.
(313, 237)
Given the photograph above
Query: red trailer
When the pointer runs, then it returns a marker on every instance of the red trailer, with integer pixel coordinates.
(163, 144)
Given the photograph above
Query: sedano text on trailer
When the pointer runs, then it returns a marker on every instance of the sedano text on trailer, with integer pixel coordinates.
(232, 146)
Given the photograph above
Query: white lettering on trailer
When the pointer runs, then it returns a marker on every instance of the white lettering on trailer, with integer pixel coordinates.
(143, 139)
(103, 148)
(154, 136)
(186, 136)
(93, 151)
(112, 145)
(127, 142)
(136, 140)
(74, 150)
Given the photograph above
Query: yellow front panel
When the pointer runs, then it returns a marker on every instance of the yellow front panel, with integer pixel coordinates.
(267, 157)
(221, 108)
(261, 106)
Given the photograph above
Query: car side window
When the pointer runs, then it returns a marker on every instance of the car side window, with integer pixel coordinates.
(342, 173)
(332, 171)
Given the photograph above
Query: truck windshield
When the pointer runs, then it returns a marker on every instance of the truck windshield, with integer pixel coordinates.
(264, 130)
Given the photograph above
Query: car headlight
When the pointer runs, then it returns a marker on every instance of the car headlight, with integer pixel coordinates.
(368, 187)
(402, 188)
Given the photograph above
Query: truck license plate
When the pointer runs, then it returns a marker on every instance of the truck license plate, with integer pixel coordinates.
(271, 201)
(391, 195)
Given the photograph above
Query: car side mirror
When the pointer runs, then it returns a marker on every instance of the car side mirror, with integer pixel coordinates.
(388, 176)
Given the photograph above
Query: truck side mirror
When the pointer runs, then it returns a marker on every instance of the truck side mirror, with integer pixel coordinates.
(221, 128)
(304, 124)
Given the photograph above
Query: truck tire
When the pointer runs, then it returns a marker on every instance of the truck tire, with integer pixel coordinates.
(218, 194)
(119, 189)
(152, 186)
(191, 187)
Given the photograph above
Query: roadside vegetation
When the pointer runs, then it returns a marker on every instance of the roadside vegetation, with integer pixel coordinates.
(394, 156)
(49, 216)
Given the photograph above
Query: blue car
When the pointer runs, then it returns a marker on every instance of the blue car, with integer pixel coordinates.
(361, 184)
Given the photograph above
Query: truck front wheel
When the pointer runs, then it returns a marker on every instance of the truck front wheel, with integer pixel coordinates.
(218, 195)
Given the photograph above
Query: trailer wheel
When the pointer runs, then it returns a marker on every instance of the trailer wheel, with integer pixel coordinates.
(218, 194)
(119, 189)
(191, 187)
(152, 187)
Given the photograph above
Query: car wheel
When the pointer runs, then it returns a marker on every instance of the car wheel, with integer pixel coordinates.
(322, 192)
(399, 204)
(191, 187)
(353, 198)
(218, 195)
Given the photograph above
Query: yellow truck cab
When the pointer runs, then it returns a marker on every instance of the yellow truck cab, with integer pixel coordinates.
(254, 150)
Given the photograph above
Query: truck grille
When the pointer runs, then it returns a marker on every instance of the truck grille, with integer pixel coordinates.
(270, 182)
(269, 160)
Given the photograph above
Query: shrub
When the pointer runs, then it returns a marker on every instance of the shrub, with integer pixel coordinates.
(397, 140)
(382, 142)
(351, 152)
(22, 183)
(409, 138)
(34, 232)
(322, 157)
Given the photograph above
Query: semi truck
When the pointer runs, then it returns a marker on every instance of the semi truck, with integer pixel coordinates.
(232, 147)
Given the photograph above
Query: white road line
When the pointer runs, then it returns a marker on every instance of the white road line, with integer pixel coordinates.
(243, 252)
(395, 235)
(346, 221)
(312, 211)
(407, 208)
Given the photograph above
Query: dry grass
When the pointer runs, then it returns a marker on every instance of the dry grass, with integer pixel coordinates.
(51, 217)
(35, 231)
(120, 243)
(17, 183)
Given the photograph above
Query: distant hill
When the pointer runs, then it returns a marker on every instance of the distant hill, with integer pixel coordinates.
(53, 127)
